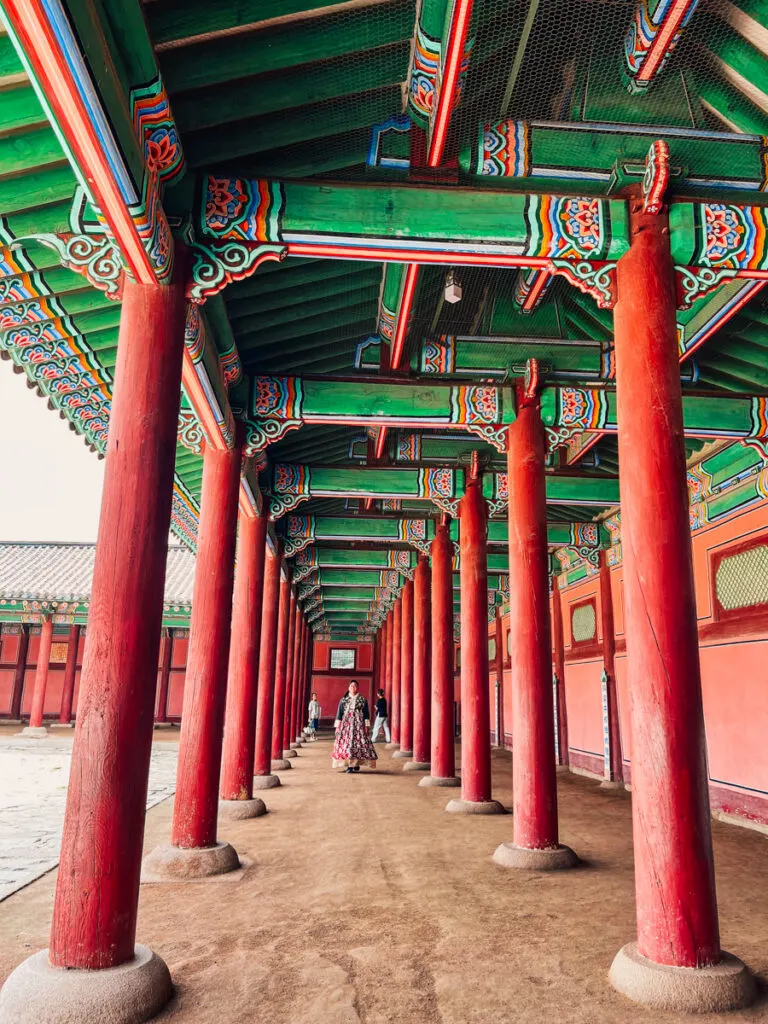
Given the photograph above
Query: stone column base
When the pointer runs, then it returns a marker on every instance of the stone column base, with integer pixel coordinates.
(435, 780)
(62, 725)
(416, 766)
(239, 810)
(475, 807)
(37, 993)
(611, 784)
(281, 765)
(402, 753)
(556, 858)
(265, 781)
(167, 863)
(289, 753)
(727, 985)
(563, 769)
(164, 725)
(296, 745)
(34, 732)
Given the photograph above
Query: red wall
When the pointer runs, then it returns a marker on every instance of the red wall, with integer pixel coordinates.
(331, 684)
(9, 647)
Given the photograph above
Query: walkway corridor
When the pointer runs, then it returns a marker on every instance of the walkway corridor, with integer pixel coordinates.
(366, 903)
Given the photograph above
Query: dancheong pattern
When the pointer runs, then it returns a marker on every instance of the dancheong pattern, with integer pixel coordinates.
(567, 227)
(277, 397)
(408, 448)
(439, 356)
(651, 37)
(504, 150)
(156, 131)
(437, 483)
(733, 237)
(243, 210)
(424, 71)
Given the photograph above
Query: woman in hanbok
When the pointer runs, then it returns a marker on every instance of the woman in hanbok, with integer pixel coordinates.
(352, 749)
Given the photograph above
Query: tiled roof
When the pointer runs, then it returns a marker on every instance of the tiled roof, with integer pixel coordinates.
(63, 572)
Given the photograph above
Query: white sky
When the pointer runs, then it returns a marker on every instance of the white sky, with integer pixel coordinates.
(50, 482)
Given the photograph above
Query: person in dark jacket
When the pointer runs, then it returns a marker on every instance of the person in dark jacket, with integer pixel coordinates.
(352, 749)
(382, 718)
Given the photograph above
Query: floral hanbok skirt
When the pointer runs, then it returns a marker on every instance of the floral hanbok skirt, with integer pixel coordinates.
(352, 747)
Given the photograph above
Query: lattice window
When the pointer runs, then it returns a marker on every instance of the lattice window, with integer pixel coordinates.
(343, 658)
(741, 580)
(583, 623)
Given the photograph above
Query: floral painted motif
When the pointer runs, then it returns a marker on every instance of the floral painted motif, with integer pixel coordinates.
(225, 201)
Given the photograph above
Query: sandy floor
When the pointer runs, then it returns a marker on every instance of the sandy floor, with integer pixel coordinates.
(366, 903)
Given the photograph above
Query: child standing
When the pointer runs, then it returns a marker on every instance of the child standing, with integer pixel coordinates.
(314, 715)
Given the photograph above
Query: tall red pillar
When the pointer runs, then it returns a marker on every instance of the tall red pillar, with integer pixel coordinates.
(262, 757)
(534, 782)
(166, 658)
(194, 849)
(614, 775)
(303, 696)
(442, 756)
(406, 672)
(677, 922)
(280, 763)
(397, 621)
(70, 670)
(97, 886)
(422, 703)
(289, 656)
(297, 692)
(36, 727)
(475, 705)
(386, 664)
(243, 671)
(498, 711)
(19, 672)
(558, 661)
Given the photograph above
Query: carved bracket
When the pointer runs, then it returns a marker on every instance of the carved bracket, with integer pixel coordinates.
(279, 504)
(693, 282)
(259, 434)
(597, 279)
(656, 177)
(218, 264)
(448, 505)
(96, 257)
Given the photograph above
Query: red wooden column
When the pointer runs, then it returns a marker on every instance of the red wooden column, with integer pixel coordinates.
(475, 705)
(70, 670)
(243, 673)
(194, 850)
(166, 659)
(302, 699)
(558, 661)
(36, 727)
(386, 665)
(397, 621)
(19, 673)
(97, 886)
(498, 711)
(422, 705)
(280, 763)
(262, 757)
(677, 922)
(406, 673)
(614, 778)
(536, 844)
(290, 680)
(442, 756)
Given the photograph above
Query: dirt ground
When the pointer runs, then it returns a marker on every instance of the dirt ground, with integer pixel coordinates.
(367, 903)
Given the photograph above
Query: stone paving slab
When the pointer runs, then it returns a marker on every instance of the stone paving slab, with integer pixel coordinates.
(33, 789)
